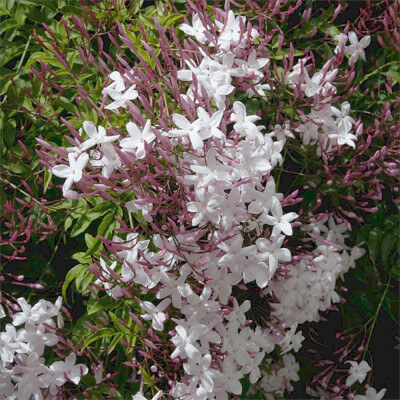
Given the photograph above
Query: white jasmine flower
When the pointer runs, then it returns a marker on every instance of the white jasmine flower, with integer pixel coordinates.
(343, 116)
(73, 172)
(187, 128)
(343, 136)
(197, 29)
(54, 376)
(110, 159)
(280, 221)
(253, 369)
(184, 343)
(235, 255)
(96, 136)
(118, 83)
(272, 251)
(2, 312)
(155, 313)
(209, 124)
(253, 64)
(31, 381)
(139, 396)
(8, 344)
(121, 99)
(36, 338)
(231, 376)
(356, 49)
(371, 394)
(138, 138)
(238, 312)
(341, 40)
(200, 369)
(140, 205)
(28, 314)
(357, 372)
(244, 124)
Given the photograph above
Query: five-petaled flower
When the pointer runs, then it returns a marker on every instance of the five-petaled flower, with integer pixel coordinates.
(356, 48)
(357, 372)
(73, 172)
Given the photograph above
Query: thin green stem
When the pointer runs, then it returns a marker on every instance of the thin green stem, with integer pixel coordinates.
(378, 70)
(20, 63)
(22, 191)
(23, 54)
(130, 220)
(374, 319)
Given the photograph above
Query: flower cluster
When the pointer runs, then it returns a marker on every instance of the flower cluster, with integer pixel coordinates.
(23, 372)
(310, 285)
(198, 177)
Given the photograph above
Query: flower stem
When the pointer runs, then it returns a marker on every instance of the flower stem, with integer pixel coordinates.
(375, 318)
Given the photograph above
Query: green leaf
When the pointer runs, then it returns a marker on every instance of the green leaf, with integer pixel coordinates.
(374, 240)
(33, 58)
(7, 25)
(351, 315)
(72, 204)
(9, 132)
(100, 210)
(82, 278)
(285, 53)
(106, 228)
(310, 197)
(10, 4)
(394, 271)
(89, 239)
(47, 59)
(5, 80)
(118, 336)
(87, 279)
(106, 225)
(364, 301)
(81, 225)
(245, 384)
(101, 333)
(105, 303)
(20, 168)
(390, 305)
(387, 245)
(47, 179)
(118, 325)
(71, 275)
(81, 257)
(256, 40)
(253, 105)
(170, 19)
(72, 10)
(333, 30)
(395, 75)
(365, 274)
(29, 2)
(36, 15)
(68, 222)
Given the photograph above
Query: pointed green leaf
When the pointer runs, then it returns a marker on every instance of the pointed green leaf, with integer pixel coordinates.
(101, 333)
(118, 336)
(105, 303)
